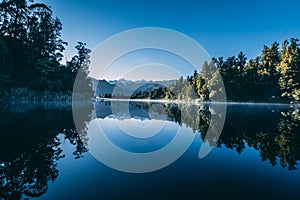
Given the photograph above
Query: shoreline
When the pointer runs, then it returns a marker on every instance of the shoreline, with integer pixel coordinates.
(66, 99)
(195, 102)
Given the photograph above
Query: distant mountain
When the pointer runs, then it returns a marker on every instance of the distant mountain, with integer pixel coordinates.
(127, 87)
(102, 86)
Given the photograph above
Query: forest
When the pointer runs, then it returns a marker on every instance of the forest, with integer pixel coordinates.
(31, 51)
(273, 76)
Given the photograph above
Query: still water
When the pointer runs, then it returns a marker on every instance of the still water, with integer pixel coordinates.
(42, 156)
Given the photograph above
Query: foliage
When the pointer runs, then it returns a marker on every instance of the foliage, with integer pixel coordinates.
(28, 164)
(289, 69)
(272, 77)
(31, 49)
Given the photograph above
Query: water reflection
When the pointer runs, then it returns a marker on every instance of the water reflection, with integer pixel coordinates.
(270, 131)
(193, 116)
(30, 148)
(30, 145)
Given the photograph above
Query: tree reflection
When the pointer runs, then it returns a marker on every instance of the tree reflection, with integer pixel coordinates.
(269, 130)
(287, 140)
(27, 171)
(36, 148)
(30, 172)
(80, 141)
(271, 133)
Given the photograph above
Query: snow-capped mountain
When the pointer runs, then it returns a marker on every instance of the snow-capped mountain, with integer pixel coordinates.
(127, 87)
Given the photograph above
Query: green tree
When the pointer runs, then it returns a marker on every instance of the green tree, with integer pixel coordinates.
(78, 66)
(44, 39)
(31, 44)
(252, 85)
(80, 61)
(289, 69)
(268, 75)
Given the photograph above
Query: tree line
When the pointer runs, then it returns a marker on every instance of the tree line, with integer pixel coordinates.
(31, 49)
(273, 76)
(31, 53)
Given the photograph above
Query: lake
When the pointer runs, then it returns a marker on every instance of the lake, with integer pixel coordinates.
(149, 150)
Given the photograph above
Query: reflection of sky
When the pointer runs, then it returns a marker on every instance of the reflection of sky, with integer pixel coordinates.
(125, 134)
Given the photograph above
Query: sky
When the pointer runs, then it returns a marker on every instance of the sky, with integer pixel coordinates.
(223, 28)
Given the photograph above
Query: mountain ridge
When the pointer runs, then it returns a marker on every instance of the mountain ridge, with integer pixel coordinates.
(104, 88)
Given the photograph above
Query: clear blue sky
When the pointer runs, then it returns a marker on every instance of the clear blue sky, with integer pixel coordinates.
(223, 28)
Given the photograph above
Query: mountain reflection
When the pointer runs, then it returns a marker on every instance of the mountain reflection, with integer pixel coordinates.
(269, 130)
(30, 145)
(193, 116)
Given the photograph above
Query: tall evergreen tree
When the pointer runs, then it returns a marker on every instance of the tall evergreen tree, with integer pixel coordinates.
(289, 69)
(31, 44)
